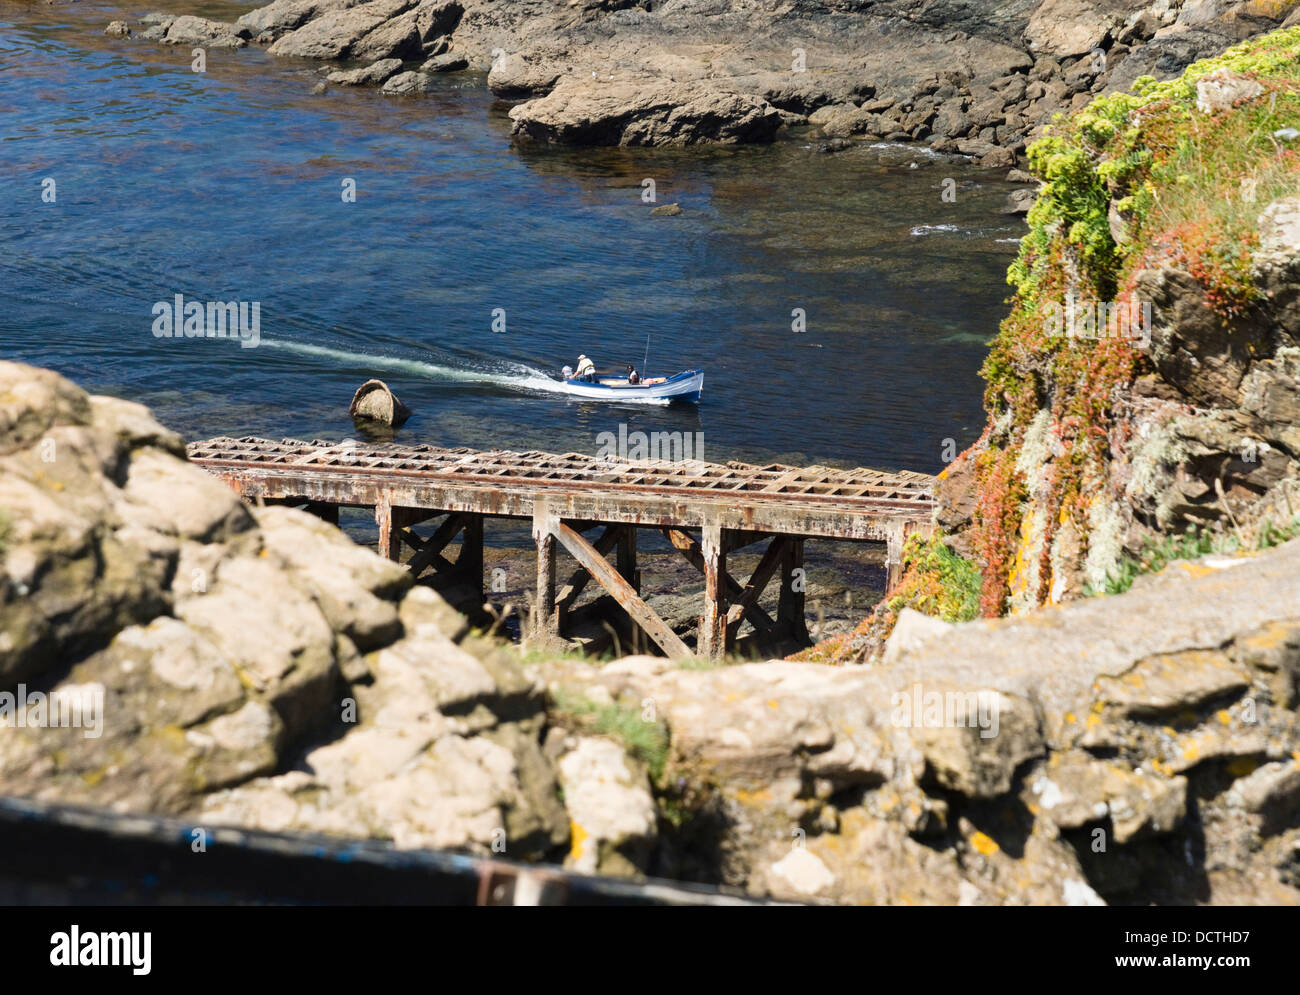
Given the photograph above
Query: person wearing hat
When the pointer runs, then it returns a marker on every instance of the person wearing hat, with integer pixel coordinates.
(586, 369)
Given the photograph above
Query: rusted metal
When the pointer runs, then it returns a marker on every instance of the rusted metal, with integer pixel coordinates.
(861, 489)
(732, 505)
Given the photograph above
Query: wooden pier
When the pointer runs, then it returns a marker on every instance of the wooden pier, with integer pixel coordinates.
(705, 510)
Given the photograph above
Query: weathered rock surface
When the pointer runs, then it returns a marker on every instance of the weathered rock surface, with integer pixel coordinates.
(447, 62)
(241, 666)
(644, 112)
(189, 30)
(336, 32)
(1072, 755)
(610, 807)
(977, 77)
(407, 83)
(430, 763)
(373, 74)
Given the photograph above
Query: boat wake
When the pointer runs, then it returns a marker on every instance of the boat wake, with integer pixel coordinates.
(517, 376)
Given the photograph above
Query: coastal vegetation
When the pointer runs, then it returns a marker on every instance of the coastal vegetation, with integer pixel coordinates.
(1138, 181)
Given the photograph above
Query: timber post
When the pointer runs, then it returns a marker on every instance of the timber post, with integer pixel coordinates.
(390, 541)
(794, 585)
(897, 533)
(627, 557)
(712, 639)
(469, 563)
(546, 622)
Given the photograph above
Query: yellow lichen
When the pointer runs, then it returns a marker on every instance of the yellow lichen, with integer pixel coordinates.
(579, 837)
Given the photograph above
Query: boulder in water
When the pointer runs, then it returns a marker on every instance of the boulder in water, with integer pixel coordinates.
(375, 402)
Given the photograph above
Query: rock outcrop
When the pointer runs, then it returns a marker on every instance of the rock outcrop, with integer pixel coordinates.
(240, 665)
(644, 112)
(1140, 748)
(972, 77)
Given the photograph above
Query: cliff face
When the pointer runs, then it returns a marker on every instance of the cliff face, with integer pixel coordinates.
(1178, 203)
(1143, 394)
(1145, 382)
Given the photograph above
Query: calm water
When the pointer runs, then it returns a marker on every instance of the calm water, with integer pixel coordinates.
(226, 186)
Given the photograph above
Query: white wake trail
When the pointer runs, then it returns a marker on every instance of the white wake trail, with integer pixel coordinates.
(527, 378)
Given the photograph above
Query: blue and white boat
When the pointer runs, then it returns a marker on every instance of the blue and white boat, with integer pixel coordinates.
(685, 386)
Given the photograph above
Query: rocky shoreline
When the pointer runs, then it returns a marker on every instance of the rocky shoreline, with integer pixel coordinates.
(973, 78)
(251, 666)
(254, 668)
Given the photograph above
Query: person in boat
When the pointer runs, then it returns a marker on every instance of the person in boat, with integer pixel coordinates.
(632, 377)
(567, 372)
(586, 369)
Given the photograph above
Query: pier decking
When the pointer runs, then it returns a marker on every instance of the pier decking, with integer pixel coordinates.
(705, 510)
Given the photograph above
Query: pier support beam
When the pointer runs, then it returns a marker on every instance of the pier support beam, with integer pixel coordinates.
(469, 564)
(392, 520)
(794, 584)
(577, 582)
(610, 579)
(712, 639)
(746, 603)
(545, 619)
(894, 554)
(429, 554)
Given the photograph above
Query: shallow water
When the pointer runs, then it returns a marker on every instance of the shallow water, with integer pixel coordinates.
(226, 186)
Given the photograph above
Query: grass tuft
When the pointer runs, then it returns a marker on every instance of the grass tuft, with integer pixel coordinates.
(645, 740)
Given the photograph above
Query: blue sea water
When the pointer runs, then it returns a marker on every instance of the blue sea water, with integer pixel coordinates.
(227, 185)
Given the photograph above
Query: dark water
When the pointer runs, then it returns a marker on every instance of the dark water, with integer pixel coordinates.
(226, 186)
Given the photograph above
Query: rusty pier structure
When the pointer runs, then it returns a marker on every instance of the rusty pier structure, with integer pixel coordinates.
(590, 508)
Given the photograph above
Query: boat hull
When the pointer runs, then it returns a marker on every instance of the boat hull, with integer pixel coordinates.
(684, 387)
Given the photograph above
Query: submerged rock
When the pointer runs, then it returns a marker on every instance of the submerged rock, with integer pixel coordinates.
(188, 30)
(373, 74)
(409, 82)
(446, 62)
